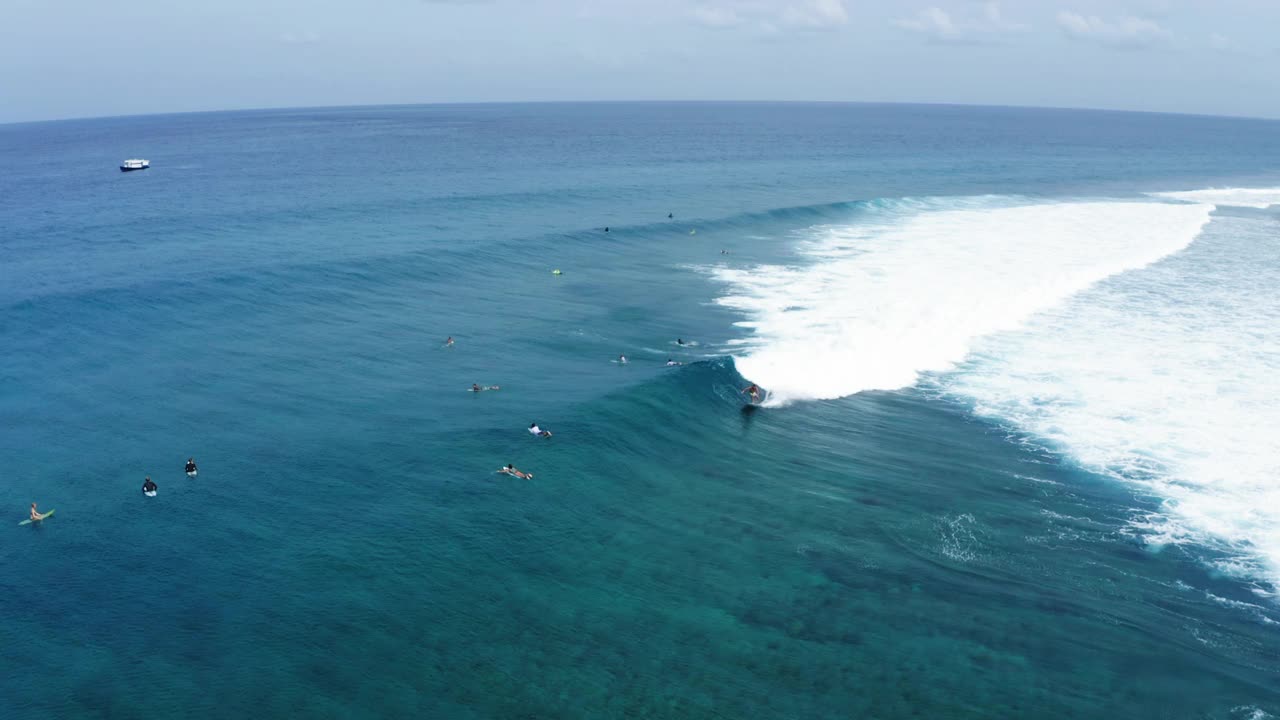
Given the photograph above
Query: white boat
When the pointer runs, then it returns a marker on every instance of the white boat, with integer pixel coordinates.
(128, 165)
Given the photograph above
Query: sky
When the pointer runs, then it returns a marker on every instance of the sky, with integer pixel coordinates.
(82, 58)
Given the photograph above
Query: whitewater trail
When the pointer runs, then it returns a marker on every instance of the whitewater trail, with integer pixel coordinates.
(1227, 197)
(1164, 379)
(884, 301)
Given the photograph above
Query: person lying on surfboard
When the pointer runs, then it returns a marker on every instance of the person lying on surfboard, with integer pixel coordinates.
(35, 516)
(753, 391)
(539, 432)
(511, 470)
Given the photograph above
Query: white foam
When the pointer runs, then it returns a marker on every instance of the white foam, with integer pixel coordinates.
(1168, 378)
(1078, 324)
(1232, 197)
(908, 293)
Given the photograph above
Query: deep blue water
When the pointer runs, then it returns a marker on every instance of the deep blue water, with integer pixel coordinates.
(272, 297)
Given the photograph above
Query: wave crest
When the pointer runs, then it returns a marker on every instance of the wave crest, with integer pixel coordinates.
(1227, 197)
(886, 300)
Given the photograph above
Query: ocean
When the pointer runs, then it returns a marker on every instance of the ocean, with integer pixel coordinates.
(1016, 455)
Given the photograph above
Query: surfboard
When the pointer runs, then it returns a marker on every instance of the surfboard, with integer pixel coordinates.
(28, 520)
(150, 493)
(192, 473)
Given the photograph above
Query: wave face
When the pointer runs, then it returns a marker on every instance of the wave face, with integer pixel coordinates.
(911, 289)
(1228, 197)
(1164, 378)
(1161, 378)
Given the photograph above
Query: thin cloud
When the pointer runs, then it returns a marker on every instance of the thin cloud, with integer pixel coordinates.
(305, 37)
(1125, 32)
(932, 21)
(717, 17)
(995, 21)
(939, 26)
(771, 15)
(1227, 45)
(815, 13)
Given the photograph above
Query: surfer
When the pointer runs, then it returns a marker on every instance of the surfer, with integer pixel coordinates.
(448, 341)
(606, 228)
(753, 391)
(191, 466)
(537, 431)
(36, 516)
(148, 486)
(673, 363)
(622, 359)
(669, 216)
(511, 470)
(680, 341)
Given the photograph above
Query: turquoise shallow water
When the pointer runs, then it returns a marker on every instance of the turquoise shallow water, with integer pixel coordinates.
(272, 298)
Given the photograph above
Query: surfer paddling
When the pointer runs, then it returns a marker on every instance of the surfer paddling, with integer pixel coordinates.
(538, 432)
(509, 470)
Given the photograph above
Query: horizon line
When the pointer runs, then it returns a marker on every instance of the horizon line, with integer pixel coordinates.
(460, 103)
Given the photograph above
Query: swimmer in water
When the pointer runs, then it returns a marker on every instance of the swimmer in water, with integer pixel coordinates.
(537, 431)
(753, 391)
(148, 486)
(511, 470)
(191, 466)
